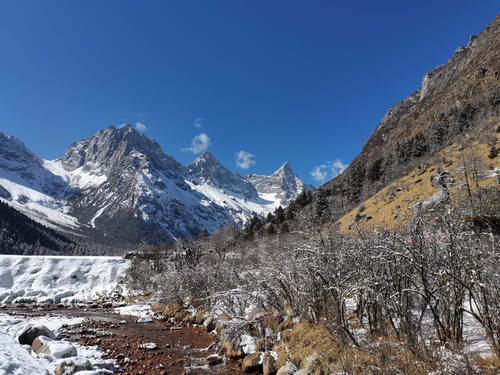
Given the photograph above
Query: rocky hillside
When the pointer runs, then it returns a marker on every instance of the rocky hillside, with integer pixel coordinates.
(461, 95)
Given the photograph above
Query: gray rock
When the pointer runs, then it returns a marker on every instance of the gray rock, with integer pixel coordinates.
(30, 332)
(252, 363)
(56, 349)
(70, 366)
(209, 323)
(287, 369)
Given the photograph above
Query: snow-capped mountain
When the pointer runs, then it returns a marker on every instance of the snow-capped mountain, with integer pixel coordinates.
(118, 186)
(281, 187)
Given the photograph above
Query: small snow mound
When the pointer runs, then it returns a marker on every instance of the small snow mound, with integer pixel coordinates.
(148, 346)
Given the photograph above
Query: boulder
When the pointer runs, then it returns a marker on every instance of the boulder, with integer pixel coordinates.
(313, 365)
(30, 332)
(70, 366)
(209, 323)
(252, 363)
(56, 349)
(287, 369)
(268, 364)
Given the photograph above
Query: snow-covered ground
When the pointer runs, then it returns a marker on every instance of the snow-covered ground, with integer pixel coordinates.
(16, 359)
(54, 279)
(50, 279)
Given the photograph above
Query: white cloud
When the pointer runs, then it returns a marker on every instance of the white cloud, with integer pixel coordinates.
(199, 144)
(141, 128)
(244, 159)
(198, 123)
(338, 167)
(319, 173)
(327, 171)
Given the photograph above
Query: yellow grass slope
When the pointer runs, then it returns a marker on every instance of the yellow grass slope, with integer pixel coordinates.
(473, 154)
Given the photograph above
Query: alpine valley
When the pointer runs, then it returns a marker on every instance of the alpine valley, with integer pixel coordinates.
(119, 188)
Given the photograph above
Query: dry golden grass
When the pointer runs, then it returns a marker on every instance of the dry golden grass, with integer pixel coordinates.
(158, 308)
(489, 365)
(390, 207)
(308, 340)
(169, 311)
(313, 346)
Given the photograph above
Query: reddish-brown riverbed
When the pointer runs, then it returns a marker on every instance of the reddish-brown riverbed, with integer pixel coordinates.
(179, 350)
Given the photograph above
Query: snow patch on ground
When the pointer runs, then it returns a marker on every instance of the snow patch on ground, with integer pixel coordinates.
(16, 359)
(54, 279)
(142, 311)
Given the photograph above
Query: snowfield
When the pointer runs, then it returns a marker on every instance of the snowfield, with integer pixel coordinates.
(16, 359)
(55, 279)
(46, 280)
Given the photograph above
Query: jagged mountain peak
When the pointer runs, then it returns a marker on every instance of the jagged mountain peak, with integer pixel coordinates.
(286, 173)
(205, 159)
(121, 148)
(284, 169)
(119, 178)
(14, 151)
(207, 169)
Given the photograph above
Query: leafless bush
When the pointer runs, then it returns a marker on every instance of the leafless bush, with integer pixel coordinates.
(415, 285)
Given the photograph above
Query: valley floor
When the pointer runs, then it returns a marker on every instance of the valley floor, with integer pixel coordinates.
(106, 337)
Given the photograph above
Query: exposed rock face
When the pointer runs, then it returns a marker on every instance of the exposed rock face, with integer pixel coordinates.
(283, 185)
(19, 164)
(207, 169)
(113, 150)
(462, 94)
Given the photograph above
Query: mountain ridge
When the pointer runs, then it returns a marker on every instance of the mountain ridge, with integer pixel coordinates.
(454, 98)
(119, 185)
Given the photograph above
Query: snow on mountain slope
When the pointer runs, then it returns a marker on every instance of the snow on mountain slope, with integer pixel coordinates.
(206, 169)
(119, 185)
(77, 178)
(281, 187)
(42, 208)
(21, 166)
(240, 208)
(44, 279)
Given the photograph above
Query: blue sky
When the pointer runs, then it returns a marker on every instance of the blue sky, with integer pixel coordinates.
(259, 82)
